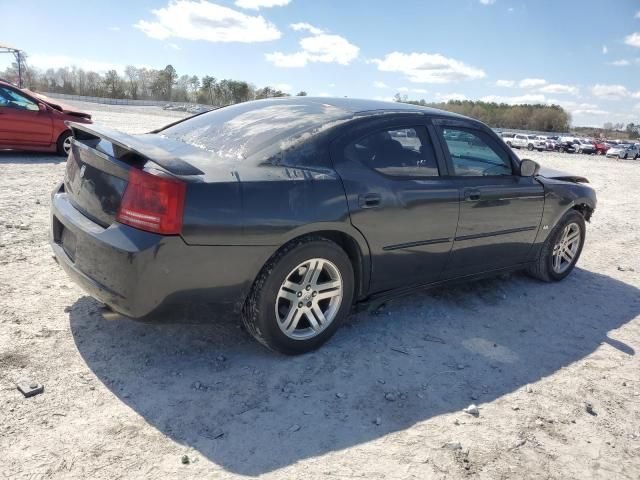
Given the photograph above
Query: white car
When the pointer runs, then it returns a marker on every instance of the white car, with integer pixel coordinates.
(585, 146)
(624, 150)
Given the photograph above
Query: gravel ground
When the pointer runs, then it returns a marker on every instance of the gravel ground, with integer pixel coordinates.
(384, 399)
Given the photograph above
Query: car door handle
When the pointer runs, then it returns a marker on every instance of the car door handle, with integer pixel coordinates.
(369, 200)
(471, 195)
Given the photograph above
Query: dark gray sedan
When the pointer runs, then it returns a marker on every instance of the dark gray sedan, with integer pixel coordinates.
(291, 211)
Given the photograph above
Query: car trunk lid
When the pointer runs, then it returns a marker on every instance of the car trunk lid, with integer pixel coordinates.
(99, 164)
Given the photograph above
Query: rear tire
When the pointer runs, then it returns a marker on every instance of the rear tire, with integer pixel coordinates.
(268, 309)
(530, 147)
(63, 145)
(543, 269)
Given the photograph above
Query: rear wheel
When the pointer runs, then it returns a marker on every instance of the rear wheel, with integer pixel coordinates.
(530, 147)
(64, 144)
(301, 296)
(561, 250)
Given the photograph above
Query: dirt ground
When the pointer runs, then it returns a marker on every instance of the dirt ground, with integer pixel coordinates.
(383, 400)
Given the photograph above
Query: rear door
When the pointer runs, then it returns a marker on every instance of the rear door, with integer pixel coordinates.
(500, 211)
(399, 199)
(21, 121)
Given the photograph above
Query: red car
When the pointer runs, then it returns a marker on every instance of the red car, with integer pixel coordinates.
(601, 147)
(29, 121)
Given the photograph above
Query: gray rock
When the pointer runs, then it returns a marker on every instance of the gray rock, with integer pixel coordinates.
(340, 395)
(453, 445)
(294, 428)
(29, 388)
(472, 410)
(378, 421)
(390, 397)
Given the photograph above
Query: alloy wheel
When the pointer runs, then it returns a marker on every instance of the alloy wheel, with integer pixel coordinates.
(66, 145)
(566, 249)
(309, 299)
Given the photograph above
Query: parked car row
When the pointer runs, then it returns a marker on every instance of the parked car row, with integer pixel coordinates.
(186, 108)
(588, 146)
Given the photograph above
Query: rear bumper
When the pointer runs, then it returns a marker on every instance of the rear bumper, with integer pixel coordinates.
(136, 272)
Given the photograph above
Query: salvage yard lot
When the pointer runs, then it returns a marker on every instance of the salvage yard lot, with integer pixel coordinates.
(383, 399)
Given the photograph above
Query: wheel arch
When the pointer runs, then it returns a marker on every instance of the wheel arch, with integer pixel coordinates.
(350, 240)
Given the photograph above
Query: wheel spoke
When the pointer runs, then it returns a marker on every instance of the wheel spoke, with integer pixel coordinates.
(328, 294)
(573, 236)
(313, 322)
(328, 285)
(317, 311)
(292, 297)
(293, 317)
(556, 262)
(313, 265)
(317, 272)
(288, 285)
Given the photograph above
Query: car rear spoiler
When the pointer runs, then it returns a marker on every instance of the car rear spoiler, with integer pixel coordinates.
(124, 144)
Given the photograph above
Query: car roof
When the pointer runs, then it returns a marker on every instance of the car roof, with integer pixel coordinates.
(362, 106)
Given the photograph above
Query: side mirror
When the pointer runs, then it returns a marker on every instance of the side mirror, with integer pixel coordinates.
(42, 107)
(529, 168)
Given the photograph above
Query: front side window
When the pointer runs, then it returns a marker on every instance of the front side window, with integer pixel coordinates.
(397, 152)
(11, 99)
(474, 155)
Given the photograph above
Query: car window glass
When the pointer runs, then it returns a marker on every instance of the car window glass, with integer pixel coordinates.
(398, 152)
(473, 155)
(12, 99)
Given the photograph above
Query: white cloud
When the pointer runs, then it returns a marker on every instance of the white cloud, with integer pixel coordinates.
(428, 67)
(283, 87)
(61, 61)
(505, 83)
(560, 88)
(445, 97)
(379, 84)
(114, 29)
(306, 26)
(487, 2)
(258, 4)
(516, 100)
(319, 47)
(612, 92)
(173, 46)
(633, 39)
(590, 111)
(637, 15)
(605, 50)
(202, 20)
(620, 63)
(419, 90)
(532, 82)
(332, 85)
(403, 89)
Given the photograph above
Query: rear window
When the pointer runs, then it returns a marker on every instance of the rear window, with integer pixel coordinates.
(257, 130)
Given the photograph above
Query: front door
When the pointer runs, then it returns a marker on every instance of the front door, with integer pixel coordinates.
(397, 198)
(500, 211)
(21, 121)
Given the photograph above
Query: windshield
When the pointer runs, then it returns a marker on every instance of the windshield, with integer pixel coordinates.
(247, 129)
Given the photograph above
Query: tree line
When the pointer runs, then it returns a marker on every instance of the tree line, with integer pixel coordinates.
(139, 83)
(543, 118)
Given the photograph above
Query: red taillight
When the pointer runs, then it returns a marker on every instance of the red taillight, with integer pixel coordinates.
(152, 203)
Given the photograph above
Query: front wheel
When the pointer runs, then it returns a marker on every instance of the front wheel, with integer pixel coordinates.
(301, 296)
(561, 250)
(530, 147)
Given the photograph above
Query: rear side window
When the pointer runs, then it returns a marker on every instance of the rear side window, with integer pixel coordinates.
(474, 154)
(257, 130)
(397, 152)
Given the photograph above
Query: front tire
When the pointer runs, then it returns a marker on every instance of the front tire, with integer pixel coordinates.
(63, 146)
(530, 147)
(301, 296)
(561, 250)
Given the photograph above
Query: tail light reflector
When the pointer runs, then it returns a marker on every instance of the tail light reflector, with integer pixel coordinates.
(152, 203)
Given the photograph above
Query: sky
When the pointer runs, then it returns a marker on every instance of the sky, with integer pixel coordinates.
(581, 54)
